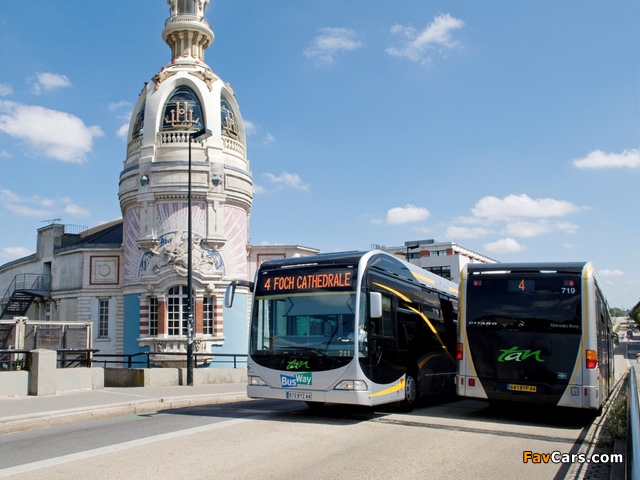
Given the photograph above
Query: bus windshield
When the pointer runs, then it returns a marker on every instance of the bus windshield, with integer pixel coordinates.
(306, 325)
(529, 303)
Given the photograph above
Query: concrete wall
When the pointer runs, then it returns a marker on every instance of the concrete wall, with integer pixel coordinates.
(157, 377)
(13, 384)
(44, 378)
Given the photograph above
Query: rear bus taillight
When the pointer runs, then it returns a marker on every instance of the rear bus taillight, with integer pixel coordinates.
(592, 359)
(459, 352)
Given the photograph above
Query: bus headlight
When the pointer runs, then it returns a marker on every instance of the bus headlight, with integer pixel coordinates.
(355, 385)
(257, 381)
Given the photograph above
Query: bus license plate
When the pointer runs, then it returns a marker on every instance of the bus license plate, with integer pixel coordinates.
(522, 388)
(299, 396)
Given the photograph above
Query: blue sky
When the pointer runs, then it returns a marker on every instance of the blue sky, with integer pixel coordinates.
(510, 128)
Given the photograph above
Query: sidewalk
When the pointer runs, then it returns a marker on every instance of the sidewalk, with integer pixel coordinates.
(31, 412)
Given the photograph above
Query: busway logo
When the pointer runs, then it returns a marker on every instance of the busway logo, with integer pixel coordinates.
(296, 380)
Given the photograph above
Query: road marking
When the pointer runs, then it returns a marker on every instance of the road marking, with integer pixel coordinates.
(72, 457)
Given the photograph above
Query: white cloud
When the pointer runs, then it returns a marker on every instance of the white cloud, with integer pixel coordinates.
(11, 253)
(123, 131)
(75, 210)
(504, 245)
(28, 211)
(4, 154)
(268, 139)
(407, 214)
(514, 216)
(330, 42)
(454, 231)
(5, 90)
(527, 229)
(249, 128)
(39, 207)
(436, 36)
(599, 160)
(49, 82)
(55, 134)
(610, 273)
(514, 206)
(291, 180)
(118, 105)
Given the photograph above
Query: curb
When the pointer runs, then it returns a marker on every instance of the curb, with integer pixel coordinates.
(83, 414)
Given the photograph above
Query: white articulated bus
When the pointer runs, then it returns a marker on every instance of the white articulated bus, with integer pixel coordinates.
(360, 328)
(534, 332)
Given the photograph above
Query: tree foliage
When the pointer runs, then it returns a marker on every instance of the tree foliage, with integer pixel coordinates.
(617, 312)
(635, 312)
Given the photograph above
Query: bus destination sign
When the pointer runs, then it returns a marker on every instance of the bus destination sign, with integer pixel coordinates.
(295, 282)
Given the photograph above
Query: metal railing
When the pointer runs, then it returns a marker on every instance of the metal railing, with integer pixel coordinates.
(131, 359)
(633, 428)
(13, 359)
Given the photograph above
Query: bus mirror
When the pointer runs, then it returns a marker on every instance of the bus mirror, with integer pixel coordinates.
(375, 305)
(229, 293)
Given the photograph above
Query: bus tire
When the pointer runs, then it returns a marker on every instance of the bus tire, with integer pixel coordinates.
(410, 392)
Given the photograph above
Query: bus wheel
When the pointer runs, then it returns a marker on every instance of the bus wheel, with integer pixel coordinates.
(315, 404)
(410, 392)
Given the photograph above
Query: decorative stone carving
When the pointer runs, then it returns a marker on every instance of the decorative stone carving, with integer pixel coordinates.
(171, 252)
(208, 77)
(160, 77)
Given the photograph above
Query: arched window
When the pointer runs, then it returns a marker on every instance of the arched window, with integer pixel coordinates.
(228, 120)
(138, 126)
(177, 301)
(182, 111)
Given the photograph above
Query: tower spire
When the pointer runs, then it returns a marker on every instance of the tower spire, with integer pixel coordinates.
(187, 32)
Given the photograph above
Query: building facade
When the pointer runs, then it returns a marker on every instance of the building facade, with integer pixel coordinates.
(166, 168)
(185, 176)
(446, 259)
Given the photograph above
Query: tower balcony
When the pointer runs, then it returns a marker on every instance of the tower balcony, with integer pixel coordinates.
(186, 18)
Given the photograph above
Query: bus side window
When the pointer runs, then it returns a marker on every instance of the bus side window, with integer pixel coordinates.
(383, 326)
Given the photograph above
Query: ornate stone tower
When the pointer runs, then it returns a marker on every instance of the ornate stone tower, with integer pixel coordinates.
(185, 96)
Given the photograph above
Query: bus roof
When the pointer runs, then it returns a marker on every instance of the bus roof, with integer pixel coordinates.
(340, 258)
(375, 259)
(533, 267)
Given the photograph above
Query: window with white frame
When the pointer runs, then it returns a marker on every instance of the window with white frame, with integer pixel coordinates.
(176, 311)
(153, 316)
(103, 318)
(208, 305)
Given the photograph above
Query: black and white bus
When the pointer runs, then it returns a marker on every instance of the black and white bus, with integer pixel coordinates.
(361, 328)
(534, 332)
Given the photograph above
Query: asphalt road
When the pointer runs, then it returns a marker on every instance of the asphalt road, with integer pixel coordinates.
(266, 439)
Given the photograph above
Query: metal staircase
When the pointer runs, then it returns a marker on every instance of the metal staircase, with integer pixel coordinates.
(23, 290)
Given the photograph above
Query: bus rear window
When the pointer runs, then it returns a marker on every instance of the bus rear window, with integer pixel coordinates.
(531, 303)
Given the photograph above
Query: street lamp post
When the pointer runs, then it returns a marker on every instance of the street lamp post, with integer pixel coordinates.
(198, 136)
(410, 247)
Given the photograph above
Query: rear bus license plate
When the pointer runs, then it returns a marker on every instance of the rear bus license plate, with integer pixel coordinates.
(299, 396)
(521, 388)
